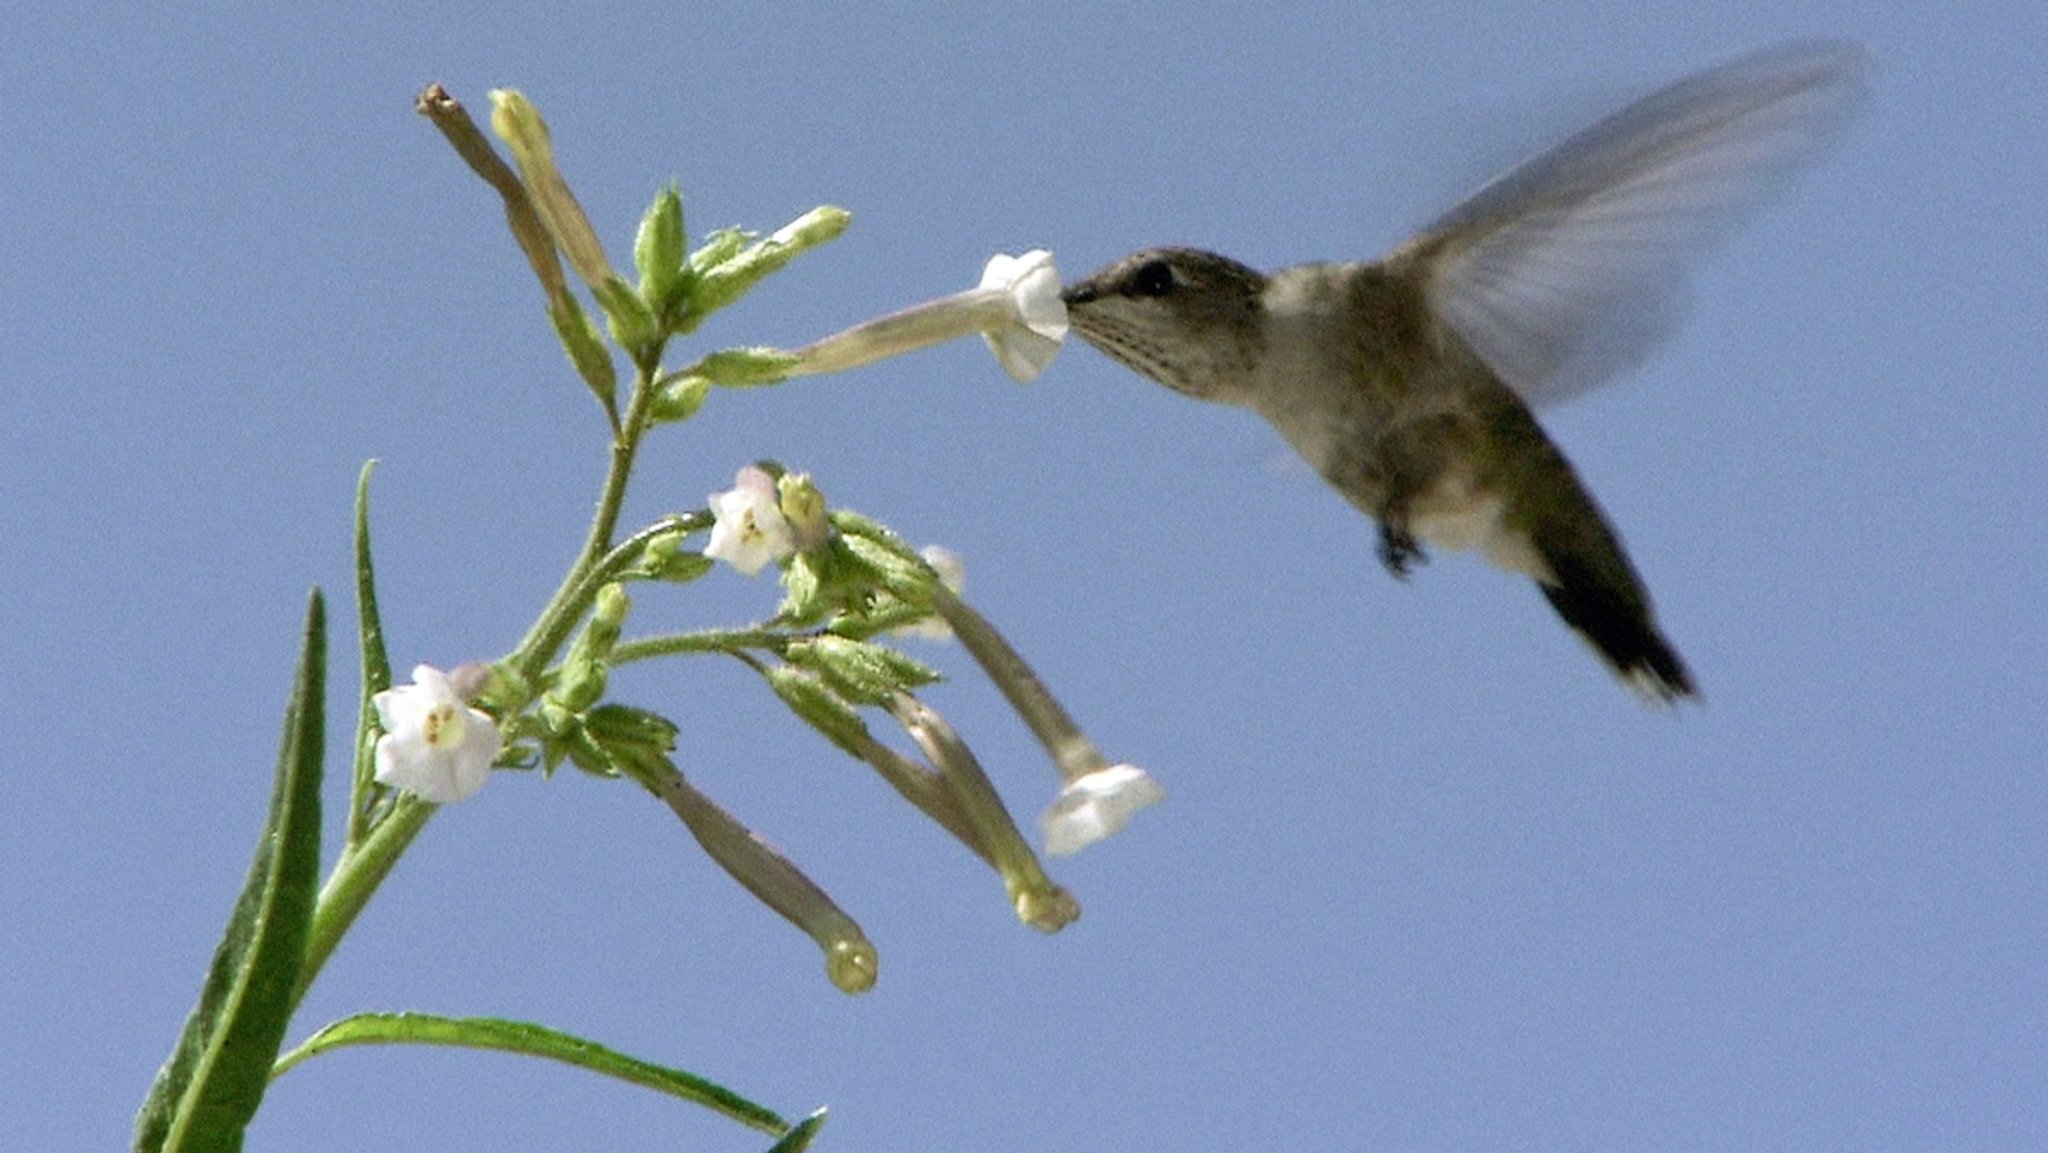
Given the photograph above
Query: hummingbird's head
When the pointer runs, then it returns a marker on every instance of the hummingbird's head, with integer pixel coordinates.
(1189, 319)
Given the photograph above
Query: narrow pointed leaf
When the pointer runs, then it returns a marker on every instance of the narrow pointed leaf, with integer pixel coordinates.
(534, 1041)
(376, 665)
(799, 1139)
(215, 1078)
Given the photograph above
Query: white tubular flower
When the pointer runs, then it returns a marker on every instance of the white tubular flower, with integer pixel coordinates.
(1038, 317)
(1096, 806)
(1017, 309)
(750, 530)
(953, 574)
(434, 745)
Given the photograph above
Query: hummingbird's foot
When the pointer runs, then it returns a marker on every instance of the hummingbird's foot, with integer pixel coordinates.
(1399, 550)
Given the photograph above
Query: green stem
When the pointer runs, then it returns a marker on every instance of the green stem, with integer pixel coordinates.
(355, 878)
(555, 623)
(731, 641)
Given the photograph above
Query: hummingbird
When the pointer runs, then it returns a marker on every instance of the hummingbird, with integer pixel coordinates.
(1408, 383)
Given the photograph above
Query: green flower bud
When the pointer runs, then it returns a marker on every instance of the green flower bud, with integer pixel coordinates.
(580, 686)
(684, 567)
(658, 252)
(606, 619)
(665, 559)
(803, 506)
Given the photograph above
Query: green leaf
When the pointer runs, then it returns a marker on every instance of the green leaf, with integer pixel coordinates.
(376, 666)
(535, 1041)
(215, 1078)
(799, 1139)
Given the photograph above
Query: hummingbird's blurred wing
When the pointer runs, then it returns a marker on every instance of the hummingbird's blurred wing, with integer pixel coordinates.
(1565, 270)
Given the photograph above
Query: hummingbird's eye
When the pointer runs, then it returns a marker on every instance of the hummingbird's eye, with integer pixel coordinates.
(1153, 278)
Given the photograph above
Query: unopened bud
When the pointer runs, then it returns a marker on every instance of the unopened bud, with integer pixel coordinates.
(658, 252)
(518, 123)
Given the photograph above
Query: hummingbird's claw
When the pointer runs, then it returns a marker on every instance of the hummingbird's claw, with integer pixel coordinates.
(1399, 550)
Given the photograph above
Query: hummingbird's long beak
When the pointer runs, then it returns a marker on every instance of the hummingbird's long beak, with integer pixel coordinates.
(1083, 292)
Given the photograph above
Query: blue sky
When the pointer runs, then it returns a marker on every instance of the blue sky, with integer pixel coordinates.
(1427, 878)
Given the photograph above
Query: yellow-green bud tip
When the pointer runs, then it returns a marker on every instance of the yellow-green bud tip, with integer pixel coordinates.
(1048, 910)
(852, 964)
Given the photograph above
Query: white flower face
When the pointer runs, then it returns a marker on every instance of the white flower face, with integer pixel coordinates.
(1096, 806)
(1038, 317)
(434, 745)
(750, 532)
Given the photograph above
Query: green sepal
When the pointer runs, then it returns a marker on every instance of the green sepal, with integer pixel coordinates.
(633, 324)
(586, 349)
(803, 587)
(524, 1037)
(862, 672)
(720, 246)
(665, 559)
(632, 736)
(908, 579)
(580, 686)
(581, 682)
(729, 279)
(678, 398)
(658, 253)
(210, 1088)
(810, 698)
(504, 692)
(747, 367)
(583, 752)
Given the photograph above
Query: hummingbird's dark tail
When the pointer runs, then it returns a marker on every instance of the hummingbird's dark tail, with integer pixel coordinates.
(1607, 605)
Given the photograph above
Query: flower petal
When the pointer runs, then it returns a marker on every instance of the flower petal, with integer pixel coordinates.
(434, 745)
(1038, 317)
(1096, 806)
(750, 530)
